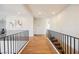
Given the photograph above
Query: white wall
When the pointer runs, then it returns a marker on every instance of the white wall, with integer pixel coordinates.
(13, 13)
(40, 25)
(2, 23)
(67, 21)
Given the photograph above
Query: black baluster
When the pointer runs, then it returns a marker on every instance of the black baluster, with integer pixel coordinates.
(13, 43)
(8, 44)
(70, 44)
(67, 43)
(16, 43)
(63, 43)
(62, 40)
(0, 46)
(74, 45)
(4, 45)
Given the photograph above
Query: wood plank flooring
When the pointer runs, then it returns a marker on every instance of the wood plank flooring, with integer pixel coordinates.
(39, 45)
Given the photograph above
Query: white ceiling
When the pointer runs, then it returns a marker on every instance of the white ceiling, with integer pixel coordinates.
(46, 10)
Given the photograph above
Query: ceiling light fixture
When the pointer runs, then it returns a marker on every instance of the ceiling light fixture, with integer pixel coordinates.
(53, 13)
(39, 13)
(18, 13)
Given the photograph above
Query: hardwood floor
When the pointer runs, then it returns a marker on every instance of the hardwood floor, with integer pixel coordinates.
(39, 45)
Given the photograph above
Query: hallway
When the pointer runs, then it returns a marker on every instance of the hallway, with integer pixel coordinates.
(20, 22)
(39, 45)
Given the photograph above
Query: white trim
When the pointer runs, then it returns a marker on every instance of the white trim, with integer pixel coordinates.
(23, 47)
(53, 46)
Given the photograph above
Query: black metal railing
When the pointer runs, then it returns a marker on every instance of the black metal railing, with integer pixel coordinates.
(70, 44)
(13, 43)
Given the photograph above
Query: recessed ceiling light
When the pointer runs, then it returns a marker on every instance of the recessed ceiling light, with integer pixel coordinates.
(19, 13)
(53, 13)
(39, 13)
